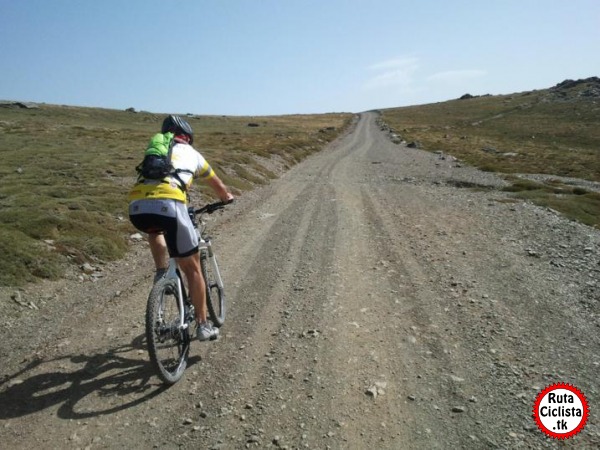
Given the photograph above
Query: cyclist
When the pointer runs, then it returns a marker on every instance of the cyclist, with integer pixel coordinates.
(159, 208)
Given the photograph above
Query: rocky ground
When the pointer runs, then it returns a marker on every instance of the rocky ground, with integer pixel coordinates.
(376, 300)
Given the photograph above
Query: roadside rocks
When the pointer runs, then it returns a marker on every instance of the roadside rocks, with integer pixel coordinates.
(16, 297)
(377, 389)
(491, 150)
(392, 135)
(90, 273)
(88, 269)
(396, 139)
(327, 129)
(136, 237)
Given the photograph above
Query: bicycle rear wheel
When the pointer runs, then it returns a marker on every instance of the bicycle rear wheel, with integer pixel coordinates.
(215, 297)
(168, 345)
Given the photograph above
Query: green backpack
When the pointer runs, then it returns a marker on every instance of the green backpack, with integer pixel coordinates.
(160, 144)
(156, 164)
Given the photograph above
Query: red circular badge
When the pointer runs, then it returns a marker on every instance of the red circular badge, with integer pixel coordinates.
(561, 410)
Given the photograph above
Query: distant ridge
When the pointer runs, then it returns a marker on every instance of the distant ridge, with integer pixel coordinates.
(565, 90)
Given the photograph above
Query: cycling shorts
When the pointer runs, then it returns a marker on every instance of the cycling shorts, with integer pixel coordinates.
(169, 217)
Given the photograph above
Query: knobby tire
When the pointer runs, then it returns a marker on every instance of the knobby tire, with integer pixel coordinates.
(215, 298)
(168, 346)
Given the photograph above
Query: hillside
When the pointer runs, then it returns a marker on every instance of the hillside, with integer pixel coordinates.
(66, 170)
(546, 142)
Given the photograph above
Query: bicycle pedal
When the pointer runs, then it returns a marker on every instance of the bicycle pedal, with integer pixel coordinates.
(190, 313)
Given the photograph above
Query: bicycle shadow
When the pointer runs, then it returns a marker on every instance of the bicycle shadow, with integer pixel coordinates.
(117, 381)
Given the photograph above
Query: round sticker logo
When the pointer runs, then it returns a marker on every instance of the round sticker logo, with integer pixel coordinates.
(561, 410)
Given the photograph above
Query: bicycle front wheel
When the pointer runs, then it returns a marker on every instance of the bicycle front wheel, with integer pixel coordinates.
(215, 298)
(168, 344)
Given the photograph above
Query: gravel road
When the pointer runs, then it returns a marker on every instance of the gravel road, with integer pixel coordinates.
(374, 302)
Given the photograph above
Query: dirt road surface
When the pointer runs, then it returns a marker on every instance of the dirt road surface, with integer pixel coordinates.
(374, 302)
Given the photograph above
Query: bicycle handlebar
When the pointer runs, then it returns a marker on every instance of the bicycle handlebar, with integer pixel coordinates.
(212, 207)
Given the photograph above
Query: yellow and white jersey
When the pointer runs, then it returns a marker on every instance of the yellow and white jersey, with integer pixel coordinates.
(183, 157)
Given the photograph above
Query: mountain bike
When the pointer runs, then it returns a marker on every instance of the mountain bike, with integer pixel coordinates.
(169, 311)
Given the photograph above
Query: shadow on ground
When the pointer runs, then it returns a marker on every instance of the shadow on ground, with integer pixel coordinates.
(115, 381)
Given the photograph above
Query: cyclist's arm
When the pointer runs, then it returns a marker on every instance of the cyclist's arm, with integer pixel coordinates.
(220, 189)
(208, 175)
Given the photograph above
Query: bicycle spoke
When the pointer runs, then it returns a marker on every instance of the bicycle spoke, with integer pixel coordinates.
(168, 344)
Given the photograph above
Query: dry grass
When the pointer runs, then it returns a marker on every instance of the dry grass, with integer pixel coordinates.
(555, 132)
(521, 133)
(66, 171)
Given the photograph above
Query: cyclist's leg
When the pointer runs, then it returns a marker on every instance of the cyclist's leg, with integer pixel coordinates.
(190, 265)
(158, 248)
(182, 242)
(151, 216)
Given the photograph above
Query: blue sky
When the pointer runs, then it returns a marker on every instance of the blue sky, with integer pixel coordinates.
(262, 57)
